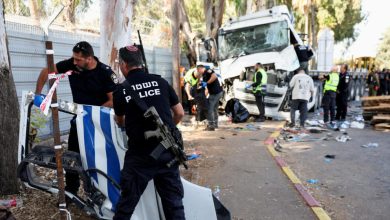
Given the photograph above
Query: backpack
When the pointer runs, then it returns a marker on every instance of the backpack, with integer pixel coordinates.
(236, 110)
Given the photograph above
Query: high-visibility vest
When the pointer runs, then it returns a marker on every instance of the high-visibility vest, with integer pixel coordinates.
(262, 87)
(189, 77)
(332, 83)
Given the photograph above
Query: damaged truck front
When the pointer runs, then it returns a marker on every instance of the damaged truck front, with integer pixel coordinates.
(266, 37)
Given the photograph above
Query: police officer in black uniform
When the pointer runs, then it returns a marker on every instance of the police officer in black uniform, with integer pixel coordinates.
(139, 167)
(342, 93)
(304, 54)
(91, 82)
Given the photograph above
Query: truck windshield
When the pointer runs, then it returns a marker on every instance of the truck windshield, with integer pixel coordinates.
(262, 38)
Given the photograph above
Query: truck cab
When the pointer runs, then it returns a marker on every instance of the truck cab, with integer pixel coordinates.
(266, 37)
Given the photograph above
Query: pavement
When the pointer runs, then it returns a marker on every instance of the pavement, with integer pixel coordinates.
(252, 185)
(354, 185)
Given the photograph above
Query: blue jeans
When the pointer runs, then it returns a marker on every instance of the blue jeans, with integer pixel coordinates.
(212, 115)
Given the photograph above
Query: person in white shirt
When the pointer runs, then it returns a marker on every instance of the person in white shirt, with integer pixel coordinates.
(302, 89)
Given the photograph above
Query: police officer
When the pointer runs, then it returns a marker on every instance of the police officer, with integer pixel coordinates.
(259, 89)
(342, 93)
(329, 98)
(91, 83)
(304, 54)
(192, 79)
(383, 83)
(139, 167)
(210, 80)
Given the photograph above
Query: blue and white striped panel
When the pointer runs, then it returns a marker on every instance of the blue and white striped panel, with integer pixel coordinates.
(101, 148)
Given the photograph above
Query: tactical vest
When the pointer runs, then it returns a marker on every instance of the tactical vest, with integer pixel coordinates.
(332, 83)
(262, 87)
(189, 77)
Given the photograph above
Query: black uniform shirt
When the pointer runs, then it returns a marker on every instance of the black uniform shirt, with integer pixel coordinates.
(155, 91)
(303, 53)
(344, 80)
(89, 87)
(214, 87)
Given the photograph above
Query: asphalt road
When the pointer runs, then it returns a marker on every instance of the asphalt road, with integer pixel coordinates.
(252, 185)
(354, 185)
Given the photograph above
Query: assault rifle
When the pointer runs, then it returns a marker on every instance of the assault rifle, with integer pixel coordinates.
(168, 141)
(141, 48)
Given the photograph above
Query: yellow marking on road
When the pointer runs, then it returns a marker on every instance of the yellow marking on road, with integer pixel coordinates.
(320, 213)
(272, 151)
(290, 174)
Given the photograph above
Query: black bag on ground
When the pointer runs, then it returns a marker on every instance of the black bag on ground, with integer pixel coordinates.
(236, 110)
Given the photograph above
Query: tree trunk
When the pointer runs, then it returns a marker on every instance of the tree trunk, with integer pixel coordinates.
(189, 36)
(314, 33)
(115, 30)
(249, 6)
(68, 14)
(260, 5)
(34, 12)
(175, 17)
(213, 10)
(9, 118)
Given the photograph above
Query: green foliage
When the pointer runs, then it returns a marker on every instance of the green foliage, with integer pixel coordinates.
(196, 16)
(38, 121)
(16, 7)
(339, 15)
(383, 55)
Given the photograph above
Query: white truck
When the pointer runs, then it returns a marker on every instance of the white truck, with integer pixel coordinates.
(265, 37)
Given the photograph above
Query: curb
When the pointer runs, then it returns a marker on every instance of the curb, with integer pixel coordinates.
(309, 199)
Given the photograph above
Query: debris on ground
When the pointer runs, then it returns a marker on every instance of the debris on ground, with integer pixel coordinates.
(312, 181)
(330, 156)
(370, 145)
(356, 124)
(343, 138)
(194, 155)
(277, 146)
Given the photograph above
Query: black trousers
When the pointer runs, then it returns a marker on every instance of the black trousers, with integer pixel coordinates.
(260, 105)
(137, 171)
(329, 104)
(342, 105)
(301, 105)
(72, 180)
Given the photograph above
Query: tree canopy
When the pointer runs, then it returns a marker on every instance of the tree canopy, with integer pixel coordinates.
(383, 55)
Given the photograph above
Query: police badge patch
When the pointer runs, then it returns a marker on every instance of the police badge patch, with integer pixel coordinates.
(114, 78)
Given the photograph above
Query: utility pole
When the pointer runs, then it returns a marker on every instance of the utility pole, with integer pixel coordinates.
(175, 47)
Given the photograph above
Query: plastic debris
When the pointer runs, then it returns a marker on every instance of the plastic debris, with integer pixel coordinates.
(343, 138)
(356, 124)
(344, 125)
(277, 146)
(252, 127)
(370, 145)
(194, 155)
(312, 181)
(328, 160)
(330, 156)
(11, 202)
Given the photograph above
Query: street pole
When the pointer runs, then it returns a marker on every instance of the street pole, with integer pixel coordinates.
(175, 47)
(56, 134)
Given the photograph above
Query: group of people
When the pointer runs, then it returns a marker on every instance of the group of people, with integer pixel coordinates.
(200, 82)
(379, 83)
(335, 95)
(94, 83)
